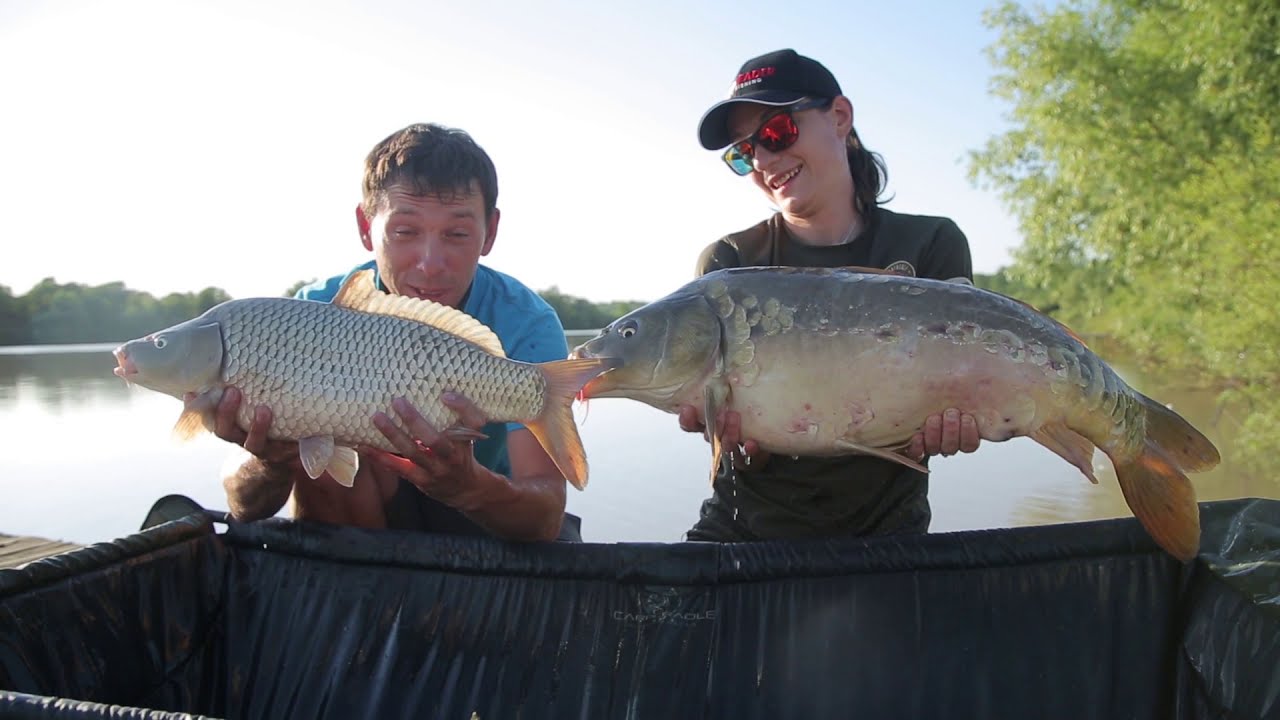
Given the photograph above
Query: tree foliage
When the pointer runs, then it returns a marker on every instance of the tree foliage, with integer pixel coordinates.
(1142, 162)
(294, 288)
(580, 314)
(73, 313)
(15, 327)
(52, 312)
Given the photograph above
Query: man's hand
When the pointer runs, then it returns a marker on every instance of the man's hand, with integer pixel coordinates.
(439, 463)
(945, 434)
(260, 475)
(255, 440)
(729, 425)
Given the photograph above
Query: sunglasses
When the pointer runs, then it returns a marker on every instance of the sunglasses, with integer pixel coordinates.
(777, 133)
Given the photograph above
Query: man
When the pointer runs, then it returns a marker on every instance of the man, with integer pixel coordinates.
(429, 213)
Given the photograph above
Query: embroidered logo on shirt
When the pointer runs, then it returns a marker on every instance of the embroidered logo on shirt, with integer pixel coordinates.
(902, 267)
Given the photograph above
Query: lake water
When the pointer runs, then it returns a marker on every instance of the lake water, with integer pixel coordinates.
(84, 457)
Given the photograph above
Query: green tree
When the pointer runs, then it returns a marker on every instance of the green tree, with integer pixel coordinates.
(209, 297)
(1142, 164)
(15, 326)
(54, 313)
(294, 288)
(581, 314)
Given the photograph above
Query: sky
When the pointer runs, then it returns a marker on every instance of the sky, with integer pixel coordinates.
(179, 144)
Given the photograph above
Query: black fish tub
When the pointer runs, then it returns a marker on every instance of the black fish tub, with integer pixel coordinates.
(202, 617)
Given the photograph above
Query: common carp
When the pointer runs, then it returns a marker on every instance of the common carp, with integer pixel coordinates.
(825, 362)
(325, 368)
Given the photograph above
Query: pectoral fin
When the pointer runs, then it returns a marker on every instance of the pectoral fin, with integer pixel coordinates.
(198, 415)
(343, 465)
(190, 424)
(316, 452)
(714, 398)
(881, 453)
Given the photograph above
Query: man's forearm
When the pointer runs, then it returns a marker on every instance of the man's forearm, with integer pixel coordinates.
(530, 509)
(257, 489)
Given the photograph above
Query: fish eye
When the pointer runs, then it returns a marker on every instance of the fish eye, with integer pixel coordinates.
(627, 330)
(160, 342)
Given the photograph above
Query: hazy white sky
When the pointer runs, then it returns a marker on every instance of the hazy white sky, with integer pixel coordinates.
(177, 144)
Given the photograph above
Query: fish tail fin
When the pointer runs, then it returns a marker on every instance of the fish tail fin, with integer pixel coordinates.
(554, 427)
(1162, 499)
(1185, 445)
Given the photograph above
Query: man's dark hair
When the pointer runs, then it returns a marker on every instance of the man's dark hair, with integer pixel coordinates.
(432, 159)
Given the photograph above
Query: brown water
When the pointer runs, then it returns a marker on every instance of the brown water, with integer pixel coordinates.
(84, 456)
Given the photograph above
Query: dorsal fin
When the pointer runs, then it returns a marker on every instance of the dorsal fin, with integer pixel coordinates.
(356, 290)
(359, 293)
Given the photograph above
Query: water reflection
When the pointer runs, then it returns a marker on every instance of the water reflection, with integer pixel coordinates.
(59, 380)
(92, 455)
(1085, 501)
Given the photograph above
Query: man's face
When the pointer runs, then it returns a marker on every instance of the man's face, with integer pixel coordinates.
(428, 246)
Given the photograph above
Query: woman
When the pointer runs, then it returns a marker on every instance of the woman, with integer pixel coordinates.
(789, 127)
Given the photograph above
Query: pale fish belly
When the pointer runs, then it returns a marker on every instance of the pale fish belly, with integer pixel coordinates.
(326, 371)
(803, 392)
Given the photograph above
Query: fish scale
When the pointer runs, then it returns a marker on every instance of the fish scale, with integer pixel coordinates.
(352, 362)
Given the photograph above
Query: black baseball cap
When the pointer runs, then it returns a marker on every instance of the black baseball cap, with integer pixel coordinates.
(779, 78)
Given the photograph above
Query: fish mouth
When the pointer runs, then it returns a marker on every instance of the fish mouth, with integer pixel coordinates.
(599, 383)
(124, 369)
(583, 351)
(596, 385)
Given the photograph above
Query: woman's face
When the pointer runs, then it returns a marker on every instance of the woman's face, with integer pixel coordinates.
(803, 179)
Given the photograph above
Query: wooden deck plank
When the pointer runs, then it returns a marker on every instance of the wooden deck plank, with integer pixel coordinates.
(17, 550)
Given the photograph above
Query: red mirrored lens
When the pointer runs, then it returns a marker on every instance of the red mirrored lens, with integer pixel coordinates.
(778, 133)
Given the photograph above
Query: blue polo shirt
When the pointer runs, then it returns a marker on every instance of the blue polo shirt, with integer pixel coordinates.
(529, 329)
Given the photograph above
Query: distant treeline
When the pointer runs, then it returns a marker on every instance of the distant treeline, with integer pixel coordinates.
(73, 313)
(579, 314)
